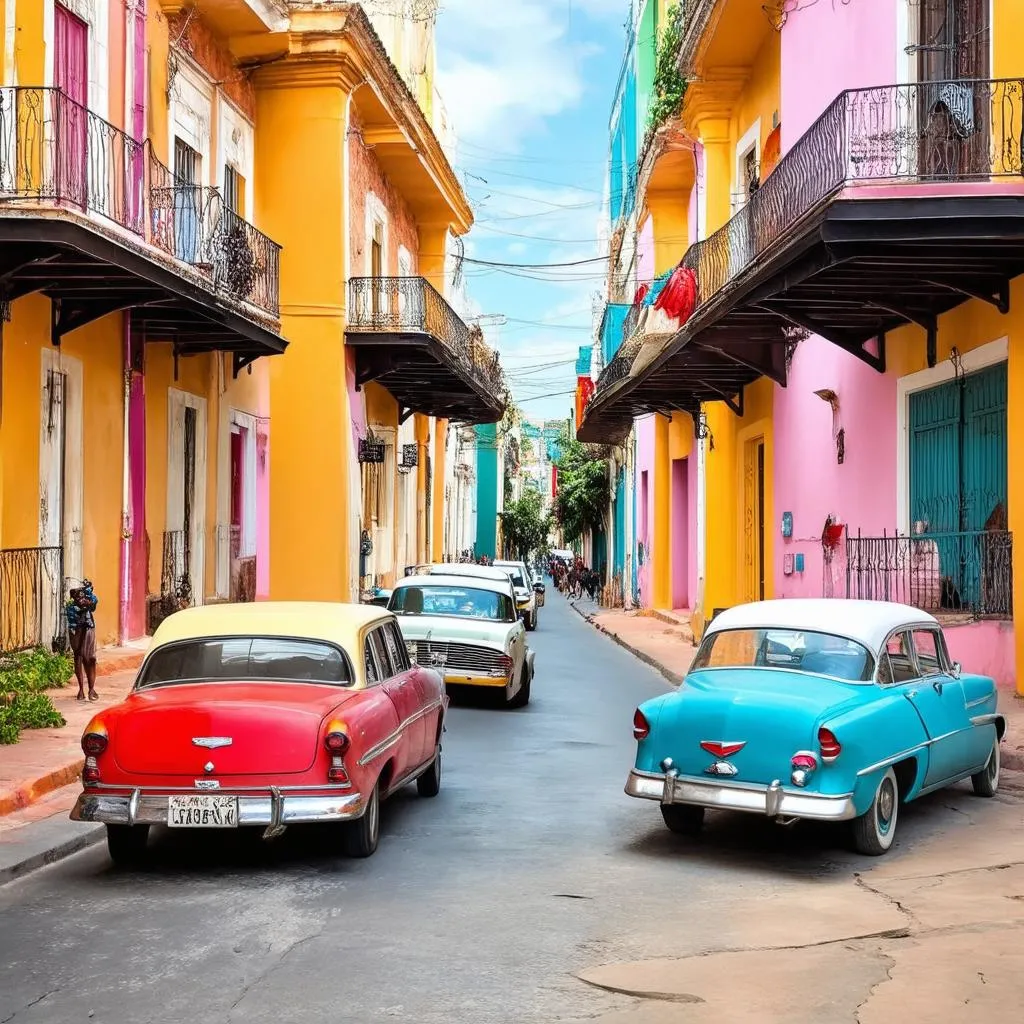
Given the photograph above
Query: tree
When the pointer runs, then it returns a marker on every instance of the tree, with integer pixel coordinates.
(583, 490)
(524, 526)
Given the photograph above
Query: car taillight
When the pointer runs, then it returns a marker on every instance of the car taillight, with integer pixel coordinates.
(641, 727)
(336, 742)
(830, 746)
(94, 742)
(91, 771)
(804, 763)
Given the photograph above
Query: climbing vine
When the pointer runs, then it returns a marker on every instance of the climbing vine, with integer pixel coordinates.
(669, 83)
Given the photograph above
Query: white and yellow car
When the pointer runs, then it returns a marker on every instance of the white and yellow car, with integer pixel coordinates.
(466, 627)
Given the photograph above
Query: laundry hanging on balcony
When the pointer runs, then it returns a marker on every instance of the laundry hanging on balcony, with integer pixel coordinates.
(674, 302)
(641, 294)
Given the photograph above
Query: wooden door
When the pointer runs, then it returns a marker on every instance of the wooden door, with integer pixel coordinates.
(71, 77)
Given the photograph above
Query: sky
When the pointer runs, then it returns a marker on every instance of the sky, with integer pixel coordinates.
(528, 85)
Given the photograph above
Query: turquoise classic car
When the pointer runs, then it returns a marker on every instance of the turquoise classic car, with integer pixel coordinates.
(826, 709)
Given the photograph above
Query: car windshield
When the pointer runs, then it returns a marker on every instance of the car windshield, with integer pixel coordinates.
(462, 602)
(798, 650)
(515, 572)
(224, 659)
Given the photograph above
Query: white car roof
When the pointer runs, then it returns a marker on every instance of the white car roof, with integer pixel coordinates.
(502, 585)
(867, 622)
(486, 572)
(511, 565)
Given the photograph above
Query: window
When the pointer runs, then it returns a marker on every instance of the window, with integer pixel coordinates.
(394, 658)
(795, 650)
(187, 202)
(234, 190)
(384, 664)
(246, 658)
(402, 652)
(928, 648)
(373, 673)
(461, 602)
(899, 654)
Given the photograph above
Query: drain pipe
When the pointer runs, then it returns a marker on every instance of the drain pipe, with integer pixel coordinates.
(126, 510)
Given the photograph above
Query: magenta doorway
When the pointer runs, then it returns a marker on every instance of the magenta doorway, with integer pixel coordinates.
(680, 531)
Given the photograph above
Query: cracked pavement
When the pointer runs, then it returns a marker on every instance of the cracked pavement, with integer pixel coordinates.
(532, 891)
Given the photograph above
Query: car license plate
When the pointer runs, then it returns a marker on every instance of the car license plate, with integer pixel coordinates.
(202, 811)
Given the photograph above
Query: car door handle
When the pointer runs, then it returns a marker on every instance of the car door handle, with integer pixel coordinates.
(937, 686)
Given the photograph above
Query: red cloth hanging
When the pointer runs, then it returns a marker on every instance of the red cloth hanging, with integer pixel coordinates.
(678, 298)
(641, 294)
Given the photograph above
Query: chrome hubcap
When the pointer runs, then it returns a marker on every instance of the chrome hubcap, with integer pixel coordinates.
(886, 805)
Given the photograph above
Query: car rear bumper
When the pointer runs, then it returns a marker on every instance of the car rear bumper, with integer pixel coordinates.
(772, 801)
(270, 809)
(462, 679)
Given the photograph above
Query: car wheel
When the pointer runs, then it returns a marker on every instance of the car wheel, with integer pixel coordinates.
(683, 819)
(522, 697)
(986, 782)
(126, 844)
(363, 834)
(429, 783)
(875, 830)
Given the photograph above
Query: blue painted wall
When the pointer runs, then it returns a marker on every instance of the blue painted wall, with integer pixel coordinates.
(486, 489)
(612, 326)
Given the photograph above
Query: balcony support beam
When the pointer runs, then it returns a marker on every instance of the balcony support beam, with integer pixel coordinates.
(1000, 298)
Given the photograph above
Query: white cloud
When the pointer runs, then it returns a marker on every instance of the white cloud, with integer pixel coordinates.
(505, 67)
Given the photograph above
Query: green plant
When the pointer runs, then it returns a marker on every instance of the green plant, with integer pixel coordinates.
(583, 489)
(524, 526)
(23, 678)
(669, 83)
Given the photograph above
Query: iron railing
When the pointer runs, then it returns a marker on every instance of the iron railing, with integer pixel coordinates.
(55, 151)
(969, 572)
(31, 597)
(397, 305)
(930, 132)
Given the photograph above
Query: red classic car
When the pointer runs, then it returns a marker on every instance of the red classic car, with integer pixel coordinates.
(269, 714)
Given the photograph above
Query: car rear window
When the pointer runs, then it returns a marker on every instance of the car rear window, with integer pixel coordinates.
(243, 658)
(797, 650)
(443, 599)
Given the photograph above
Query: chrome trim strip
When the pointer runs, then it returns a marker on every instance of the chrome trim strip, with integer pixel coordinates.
(389, 741)
(773, 801)
(979, 700)
(901, 756)
(252, 810)
(148, 790)
(985, 719)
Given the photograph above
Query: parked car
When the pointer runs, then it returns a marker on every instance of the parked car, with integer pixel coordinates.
(526, 592)
(469, 628)
(823, 709)
(268, 715)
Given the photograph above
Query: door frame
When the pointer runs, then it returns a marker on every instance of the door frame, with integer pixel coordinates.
(752, 558)
(177, 401)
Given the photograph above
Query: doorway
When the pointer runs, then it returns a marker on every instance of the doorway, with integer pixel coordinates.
(71, 77)
(680, 537)
(184, 543)
(753, 519)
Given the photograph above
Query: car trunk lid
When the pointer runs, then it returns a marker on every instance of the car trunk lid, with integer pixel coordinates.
(239, 728)
(748, 727)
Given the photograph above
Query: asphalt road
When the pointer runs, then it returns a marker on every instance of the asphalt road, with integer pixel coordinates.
(478, 907)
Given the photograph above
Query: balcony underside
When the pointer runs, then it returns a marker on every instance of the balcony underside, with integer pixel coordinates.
(851, 273)
(89, 275)
(423, 375)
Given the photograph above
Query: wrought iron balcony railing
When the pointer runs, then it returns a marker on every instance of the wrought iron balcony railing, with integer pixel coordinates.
(31, 597)
(54, 151)
(411, 305)
(969, 573)
(934, 132)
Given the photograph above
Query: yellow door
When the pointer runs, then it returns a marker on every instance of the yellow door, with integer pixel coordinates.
(753, 520)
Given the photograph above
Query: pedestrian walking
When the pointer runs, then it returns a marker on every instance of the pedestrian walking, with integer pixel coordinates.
(81, 621)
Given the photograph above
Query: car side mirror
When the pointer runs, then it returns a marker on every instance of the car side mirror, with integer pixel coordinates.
(957, 669)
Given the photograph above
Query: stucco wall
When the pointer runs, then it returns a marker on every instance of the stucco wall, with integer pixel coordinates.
(645, 253)
(645, 523)
(366, 176)
(828, 47)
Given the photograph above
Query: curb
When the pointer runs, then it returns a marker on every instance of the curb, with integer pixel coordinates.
(55, 842)
(672, 677)
(1012, 760)
(27, 792)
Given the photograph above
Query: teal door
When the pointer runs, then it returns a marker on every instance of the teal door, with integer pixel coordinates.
(958, 455)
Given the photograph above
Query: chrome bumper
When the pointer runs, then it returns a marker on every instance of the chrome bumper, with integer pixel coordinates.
(773, 800)
(273, 809)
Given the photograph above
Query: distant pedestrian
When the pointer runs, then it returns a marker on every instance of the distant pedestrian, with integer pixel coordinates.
(82, 636)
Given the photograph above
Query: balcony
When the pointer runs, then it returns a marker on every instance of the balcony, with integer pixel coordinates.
(409, 339)
(90, 217)
(943, 574)
(897, 205)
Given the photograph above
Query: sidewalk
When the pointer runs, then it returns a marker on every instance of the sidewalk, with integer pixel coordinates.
(663, 640)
